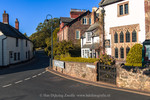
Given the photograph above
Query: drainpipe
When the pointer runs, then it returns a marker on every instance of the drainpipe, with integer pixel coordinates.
(103, 13)
(3, 50)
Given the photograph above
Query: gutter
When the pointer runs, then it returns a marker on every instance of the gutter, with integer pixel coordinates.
(3, 50)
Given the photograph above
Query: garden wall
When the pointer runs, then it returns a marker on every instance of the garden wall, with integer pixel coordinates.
(76, 69)
(133, 79)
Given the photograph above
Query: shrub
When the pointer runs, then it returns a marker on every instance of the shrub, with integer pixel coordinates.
(79, 59)
(106, 59)
(134, 57)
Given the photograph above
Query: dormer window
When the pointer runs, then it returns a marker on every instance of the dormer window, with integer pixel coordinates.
(123, 9)
(88, 37)
(84, 21)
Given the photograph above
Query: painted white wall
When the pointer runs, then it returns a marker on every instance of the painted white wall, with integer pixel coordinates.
(1, 37)
(136, 16)
(96, 39)
(10, 45)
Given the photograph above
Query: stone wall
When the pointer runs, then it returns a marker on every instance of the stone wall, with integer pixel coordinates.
(78, 70)
(133, 80)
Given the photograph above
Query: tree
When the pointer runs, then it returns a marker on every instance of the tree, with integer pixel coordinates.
(25, 34)
(43, 31)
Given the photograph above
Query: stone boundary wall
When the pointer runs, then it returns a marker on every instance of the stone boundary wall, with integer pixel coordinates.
(133, 80)
(85, 71)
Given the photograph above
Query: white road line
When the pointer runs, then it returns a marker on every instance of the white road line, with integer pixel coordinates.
(39, 74)
(43, 72)
(18, 81)
(27, 79)
(34, 76)
(7, 85)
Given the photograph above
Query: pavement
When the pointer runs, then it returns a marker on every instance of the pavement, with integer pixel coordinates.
(32, 82)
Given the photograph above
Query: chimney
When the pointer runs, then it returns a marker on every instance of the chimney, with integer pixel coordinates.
(5, 18)
(74, 13)
(93, 17)
(17, 24)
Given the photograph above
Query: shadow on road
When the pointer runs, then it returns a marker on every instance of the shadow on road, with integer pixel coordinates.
(40, 61)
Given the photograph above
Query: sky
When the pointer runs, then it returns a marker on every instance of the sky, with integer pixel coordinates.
(31, 12)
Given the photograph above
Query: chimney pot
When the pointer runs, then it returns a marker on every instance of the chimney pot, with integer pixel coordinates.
(5, 18)
(17, 24)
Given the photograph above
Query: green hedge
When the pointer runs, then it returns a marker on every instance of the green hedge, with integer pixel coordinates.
(79, 59)
(134, 57)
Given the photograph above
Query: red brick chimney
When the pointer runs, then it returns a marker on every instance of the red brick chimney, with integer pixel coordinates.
(5, 18)
(93, 16)
(74, 13)
(17, 24)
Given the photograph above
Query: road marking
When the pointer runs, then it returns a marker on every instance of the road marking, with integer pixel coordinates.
(34, 76)
(44, 72)
(7, 85)
(18, 81)
(39, 74)
(27, 79)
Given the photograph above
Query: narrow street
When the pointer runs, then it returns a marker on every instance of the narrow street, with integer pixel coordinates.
(31, 82)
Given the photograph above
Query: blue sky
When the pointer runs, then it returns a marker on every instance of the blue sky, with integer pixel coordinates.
(31, 12)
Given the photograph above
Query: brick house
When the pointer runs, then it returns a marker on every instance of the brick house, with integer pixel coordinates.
(72, 28)
(127, 22)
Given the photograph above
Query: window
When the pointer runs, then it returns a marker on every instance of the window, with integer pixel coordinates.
(121, 37)
(87, 53)
(126, 8)
(116, 38)
(127, 50)
(122, 52)
(16, 42)
(77, 34)
(26, 43)
(18, 56)
(84, 21)
(89, 37)
(83, 53)
(123, 9)
(134, 36)
(116, 52)
(90, 21)
(127, 36)
(15, 55)
(11, 54)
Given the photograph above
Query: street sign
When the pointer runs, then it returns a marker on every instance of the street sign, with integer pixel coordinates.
(60, 64)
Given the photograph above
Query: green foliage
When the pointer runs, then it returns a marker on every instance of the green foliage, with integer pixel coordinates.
(44, 32)
(134, 57)
(25, 34)
(106, 59)
(79, 59)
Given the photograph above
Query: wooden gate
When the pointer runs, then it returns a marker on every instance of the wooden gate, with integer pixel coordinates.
(106, 73)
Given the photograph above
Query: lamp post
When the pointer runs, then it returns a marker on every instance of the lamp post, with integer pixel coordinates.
(51, 61)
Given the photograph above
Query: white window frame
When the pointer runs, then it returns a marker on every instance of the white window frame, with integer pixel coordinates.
(86, 53)
(88, 37)
(84, 21)
(76, 34)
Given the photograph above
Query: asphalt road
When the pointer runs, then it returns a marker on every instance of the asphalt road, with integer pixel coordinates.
(31, 82)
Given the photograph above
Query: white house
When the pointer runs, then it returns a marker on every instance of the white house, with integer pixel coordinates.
(14, 46)
(90, 42)
(127, 22)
